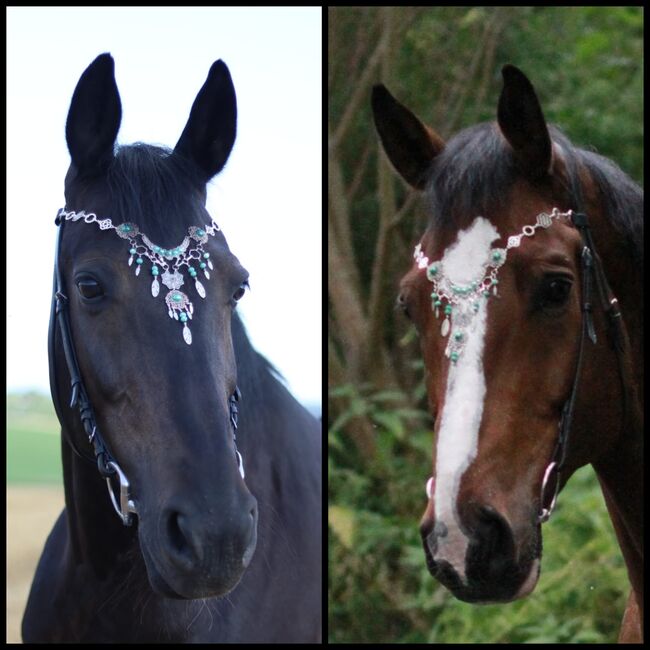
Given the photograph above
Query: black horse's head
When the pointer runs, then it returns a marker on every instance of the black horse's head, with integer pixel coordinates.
(162, 402)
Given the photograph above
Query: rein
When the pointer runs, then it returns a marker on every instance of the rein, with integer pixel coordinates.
(106, 464)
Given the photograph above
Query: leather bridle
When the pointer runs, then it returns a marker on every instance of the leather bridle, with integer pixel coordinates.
(107, 466)
(592, 273)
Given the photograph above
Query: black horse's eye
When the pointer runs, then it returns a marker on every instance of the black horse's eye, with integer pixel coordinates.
(554, 292)
(90, 288)
(239, 294)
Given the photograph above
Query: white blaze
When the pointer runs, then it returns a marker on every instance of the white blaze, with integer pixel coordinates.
(462, 262)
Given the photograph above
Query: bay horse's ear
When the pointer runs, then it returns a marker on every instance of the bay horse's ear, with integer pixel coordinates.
(522, 123)
(410, 145)
(94, 117)
(210, 131)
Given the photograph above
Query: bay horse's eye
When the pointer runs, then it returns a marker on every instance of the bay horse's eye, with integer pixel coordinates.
(554, 292)
(90, 288)
(402, 306)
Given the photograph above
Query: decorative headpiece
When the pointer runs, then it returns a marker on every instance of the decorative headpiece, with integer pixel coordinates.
(168, 260)
(464, 301)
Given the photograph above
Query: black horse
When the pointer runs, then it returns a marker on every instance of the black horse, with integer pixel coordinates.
(195, 563)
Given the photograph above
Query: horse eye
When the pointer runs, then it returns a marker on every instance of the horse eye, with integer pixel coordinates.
(402, 306)
(90, 288)
(239, 294)
(554, 292)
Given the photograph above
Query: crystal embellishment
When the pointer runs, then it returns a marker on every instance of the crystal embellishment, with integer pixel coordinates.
(464, 301)
(170, 260)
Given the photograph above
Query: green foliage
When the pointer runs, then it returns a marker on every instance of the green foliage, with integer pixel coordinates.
(379, 587)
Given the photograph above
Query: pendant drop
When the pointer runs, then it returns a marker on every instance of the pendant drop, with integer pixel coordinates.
(131, 260)
(210, 265)
(187, 335)
(199, 288)
(446, 325)
(436, 312)
(155, 287)
(207, 275)
(137, 270)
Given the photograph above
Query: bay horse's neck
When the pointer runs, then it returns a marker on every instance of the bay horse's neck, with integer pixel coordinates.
(620, 469)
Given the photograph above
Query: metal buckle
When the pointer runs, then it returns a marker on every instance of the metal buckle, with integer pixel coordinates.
(127, 506)
(545, 513)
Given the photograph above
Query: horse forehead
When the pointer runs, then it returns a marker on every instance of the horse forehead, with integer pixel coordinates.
(470, 251)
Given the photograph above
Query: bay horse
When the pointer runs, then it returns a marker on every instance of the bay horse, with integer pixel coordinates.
(526, 291)
(212, 467)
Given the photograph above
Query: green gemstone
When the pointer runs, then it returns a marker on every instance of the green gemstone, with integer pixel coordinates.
(176, 297)
(458, 336)
(448, 310)
(454, 357)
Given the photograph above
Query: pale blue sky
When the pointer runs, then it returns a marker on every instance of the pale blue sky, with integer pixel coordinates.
(267, 201)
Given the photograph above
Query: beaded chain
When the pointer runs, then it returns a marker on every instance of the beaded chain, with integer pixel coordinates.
(464, 301)
(170, 260)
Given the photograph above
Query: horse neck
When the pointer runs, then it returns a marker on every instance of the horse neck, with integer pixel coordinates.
(620, 469)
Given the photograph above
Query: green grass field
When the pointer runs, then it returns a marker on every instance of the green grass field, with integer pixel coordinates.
(33, 440)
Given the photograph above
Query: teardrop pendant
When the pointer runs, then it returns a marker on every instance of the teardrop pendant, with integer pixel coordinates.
(199, 288)
(444, 330)
(137, 270)
(155, 287)
(187, 335)
(131, 260)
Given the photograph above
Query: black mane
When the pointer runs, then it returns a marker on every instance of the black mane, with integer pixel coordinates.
(475, 172)
(156, 189)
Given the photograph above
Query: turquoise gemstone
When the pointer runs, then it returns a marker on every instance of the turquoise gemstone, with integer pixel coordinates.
(496, 256)
(154, 270)
(448, 310)
(458, 336)
(206, 255)
(454, 357)
(183, 318)
(176, 297)
(139, 261)
(200, 232)
(133, 251)
(202, 265)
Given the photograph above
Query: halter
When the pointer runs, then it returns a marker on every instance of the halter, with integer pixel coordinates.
(463, 302)
(59, 315)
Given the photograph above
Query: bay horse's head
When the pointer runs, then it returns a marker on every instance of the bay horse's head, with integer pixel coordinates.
(154, 350)
(496, 292)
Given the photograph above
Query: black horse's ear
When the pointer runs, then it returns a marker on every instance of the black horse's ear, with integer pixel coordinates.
(94, 117)
(410, 145)
(522, 123)
(210, 131)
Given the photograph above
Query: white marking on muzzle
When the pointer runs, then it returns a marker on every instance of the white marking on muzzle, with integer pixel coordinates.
(463, 408)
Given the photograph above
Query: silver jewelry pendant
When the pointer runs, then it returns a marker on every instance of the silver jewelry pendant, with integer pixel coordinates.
(155, 287)
(199, 288)
(137, 271)
(187, 335)
(444, 330)
(207, 275)
(210, 265)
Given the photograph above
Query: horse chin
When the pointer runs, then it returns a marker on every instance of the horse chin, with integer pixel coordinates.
(189, 587)
(515, 583)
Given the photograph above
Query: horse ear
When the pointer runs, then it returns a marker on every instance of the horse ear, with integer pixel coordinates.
(94, 117)
(210, 131)
(522, 123)
(410, 145)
